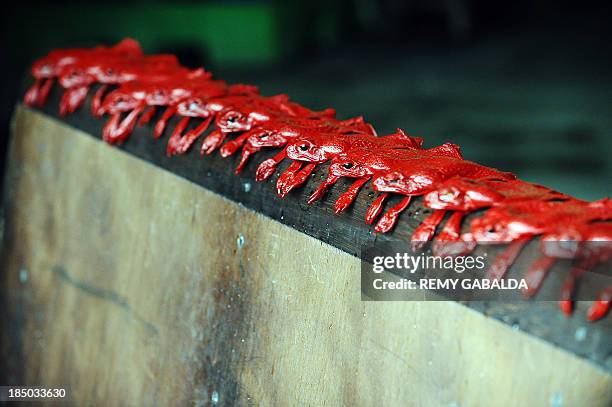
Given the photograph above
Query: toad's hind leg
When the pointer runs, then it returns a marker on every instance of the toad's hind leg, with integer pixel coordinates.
(449, 242)
(267, 167)
(601, 306)
(536, 273)
(425, 231)
(348, 197)
(389, 219)
(566, 302)
(502, 262)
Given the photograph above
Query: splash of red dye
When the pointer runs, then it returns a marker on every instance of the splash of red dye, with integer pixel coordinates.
(397, 164)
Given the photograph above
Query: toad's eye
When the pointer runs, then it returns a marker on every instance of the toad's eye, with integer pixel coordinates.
(264, 136)
(109, 72)
(348, 165)
(233, 118)
(446, 195)
(194, 104)
(304, 147)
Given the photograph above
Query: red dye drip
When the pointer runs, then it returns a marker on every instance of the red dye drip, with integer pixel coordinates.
(133, 86)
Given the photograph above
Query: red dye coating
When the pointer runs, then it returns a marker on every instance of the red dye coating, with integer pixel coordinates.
(147, 116)
(422, 173)
(79, 76)
(204, 107)
(346, 152)
(72, 99)
(425, 231)
(347, 198)
(566, 303)
(591, 241)
(240, 117)
(515, 220)
(200, 105)
(267, 167)
(46, 69)
(601, 307)
(523, 220)
(469, 194)
(417, 176)
(346, 159)
(135, 96)
(389, 219)
(375, 208)
(504, 261)
(318, 147)
(536, 273)
(449, 242)
(587, 244)
(133, 86)
(286, 182)
(277, 133)
(362, 157)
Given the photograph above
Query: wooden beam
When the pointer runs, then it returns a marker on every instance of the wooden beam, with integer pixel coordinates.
(348, 232)
(180, 286)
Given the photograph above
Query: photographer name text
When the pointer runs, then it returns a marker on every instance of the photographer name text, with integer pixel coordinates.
(450, 284)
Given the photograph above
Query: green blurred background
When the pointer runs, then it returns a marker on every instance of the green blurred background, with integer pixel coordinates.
(525, 86)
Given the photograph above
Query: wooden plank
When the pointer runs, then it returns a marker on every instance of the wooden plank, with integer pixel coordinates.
(349, 233)
(183, 296)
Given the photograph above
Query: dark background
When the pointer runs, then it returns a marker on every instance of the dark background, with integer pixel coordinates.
(525, 86)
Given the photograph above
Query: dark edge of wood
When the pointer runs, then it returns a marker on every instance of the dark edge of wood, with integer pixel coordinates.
(347, 231)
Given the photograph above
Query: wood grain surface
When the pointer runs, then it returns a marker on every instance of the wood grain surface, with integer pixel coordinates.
(130, 285)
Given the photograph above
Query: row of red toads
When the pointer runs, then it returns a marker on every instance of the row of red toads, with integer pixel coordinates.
(132, 86)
